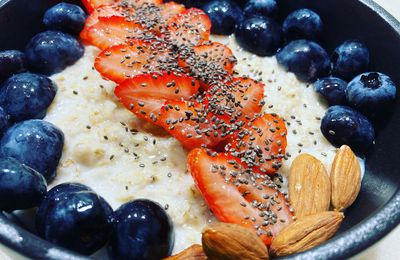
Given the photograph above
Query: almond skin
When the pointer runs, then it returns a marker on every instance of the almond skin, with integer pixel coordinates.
(306, 233)
(225, 241)
(194, 252)
(309, 186)
(345, 178)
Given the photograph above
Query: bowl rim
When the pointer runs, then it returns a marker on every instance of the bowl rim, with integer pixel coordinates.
(362, 235)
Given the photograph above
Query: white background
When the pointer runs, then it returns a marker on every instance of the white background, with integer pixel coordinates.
(387, 248)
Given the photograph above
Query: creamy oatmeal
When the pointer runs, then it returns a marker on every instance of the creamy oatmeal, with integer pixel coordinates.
(123, 158)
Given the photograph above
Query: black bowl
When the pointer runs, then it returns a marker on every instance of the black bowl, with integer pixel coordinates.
(377, 209)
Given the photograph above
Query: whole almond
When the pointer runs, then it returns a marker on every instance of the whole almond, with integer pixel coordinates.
(305, 233)
(309, 186)
(225, 241)
(345, 178)
(194, 252)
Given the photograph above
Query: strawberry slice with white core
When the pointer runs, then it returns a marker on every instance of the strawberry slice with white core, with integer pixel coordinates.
(114, 30)
(122, 62)
(261, 144)
(189, 27)
(170, 9)
(239, 99)
(235, 196)
(91, 5)
(189, 124)
(145, 94)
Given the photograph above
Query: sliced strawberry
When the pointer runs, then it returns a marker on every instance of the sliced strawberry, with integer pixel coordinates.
(187, 122)
(208, 58)
(236, 197)
(170, 9)
(107, 10)
(262, 143)
(91, 5)
(240, 99)
(145, 94)
(121, 62)
(189, 27)
(114, 30)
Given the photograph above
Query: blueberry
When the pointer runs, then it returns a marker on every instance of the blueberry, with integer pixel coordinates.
(4, 121)
(35, 143)
(332, 89)
(372, 93)
(224, 15)
(261, 7)
(306, 59)
(51, 51)
(345, 125)
(75, 217)
(21, 187)
(11, 62)
(259, 35)
(303, 24)
(350, 59)
(27, 96)
(65, 17)
(141, 230)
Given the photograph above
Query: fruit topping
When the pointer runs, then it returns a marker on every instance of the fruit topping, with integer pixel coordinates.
(267, 8)
(75, 217)
(235, 196)
(306, 59)
(145, 94)
(35, 143)
(65, 17)
(21, 187)
(113, 30)
(259, 35)
(141, 230)
(303, 24)
(189, 27)
(121, 62)
(11, 62)
(27, 96)
(51, 51)
(91, 5)
(332, 89)
(170, 9)
(350, 59)
(224, 15)
(190, 123)
(371, 93)
(261, 143)
(345, 125)
(211, 62)
(4, 121)
(239, 99)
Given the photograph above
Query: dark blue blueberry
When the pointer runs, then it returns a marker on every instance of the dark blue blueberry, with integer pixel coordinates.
(75, 217)
(261, 7)
(303, 24)
(345, 125)
(259, 35)
(224, 15)
(51, 51)
(4, 121)
(332, 89)
(35, 143)
(350, 59)
(65, 17)
(27, 96)
(372, 93)
(141, 230)
(11, 62)
(21, 187)
(306, 59)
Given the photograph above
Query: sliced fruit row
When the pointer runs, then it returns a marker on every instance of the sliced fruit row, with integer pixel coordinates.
(169, 74)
